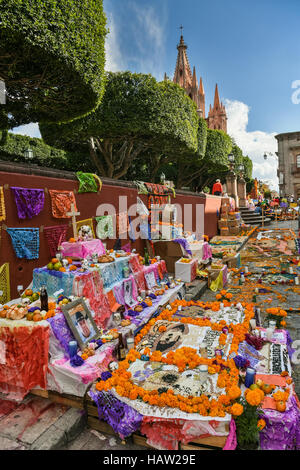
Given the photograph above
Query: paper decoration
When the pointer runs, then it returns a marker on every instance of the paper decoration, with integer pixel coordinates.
(29, 202)
(2, 205)
(104, 228)
(61, 202)
(88, 222)
(122, 223)
(55, 236)
(4, 284)
(26, 242)
(88, 182)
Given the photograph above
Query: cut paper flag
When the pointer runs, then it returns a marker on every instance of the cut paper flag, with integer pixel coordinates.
(4, 284)
(2, 205)
(29, 202)
(88, 182)
(105, 227)
(55, 236)
(88, 222)
(122, 224)
(61, 202)
(25, 241)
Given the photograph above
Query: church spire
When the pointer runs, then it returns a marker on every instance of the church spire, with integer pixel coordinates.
(183, 74)
(217, 99)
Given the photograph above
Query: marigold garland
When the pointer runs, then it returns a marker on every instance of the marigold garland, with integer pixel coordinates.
(185, 357)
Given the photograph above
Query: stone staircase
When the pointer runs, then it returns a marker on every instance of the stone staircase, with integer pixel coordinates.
(249, 217)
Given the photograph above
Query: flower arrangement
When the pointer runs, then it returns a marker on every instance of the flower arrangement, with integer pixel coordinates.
(248, 423)
(278, 315)
(186, 358)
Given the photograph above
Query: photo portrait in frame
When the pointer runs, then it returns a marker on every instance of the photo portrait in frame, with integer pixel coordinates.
(80, 321)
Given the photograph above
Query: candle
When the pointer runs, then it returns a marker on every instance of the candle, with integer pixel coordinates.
(253, 323)
(250, 377)
(72, 348)
(291, 271)
(203, 368)
(246, 269)
(297, 281)
(272, 324)
(269, 333)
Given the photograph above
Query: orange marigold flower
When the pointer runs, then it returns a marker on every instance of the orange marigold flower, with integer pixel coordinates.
(236, 409)
(234, 392)
(261, 424)
(162, 328)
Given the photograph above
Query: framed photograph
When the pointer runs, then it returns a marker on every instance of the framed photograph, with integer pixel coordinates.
(80, 321)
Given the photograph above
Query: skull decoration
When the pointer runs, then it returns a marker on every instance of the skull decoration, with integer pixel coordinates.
(113, 365)
(85, 264)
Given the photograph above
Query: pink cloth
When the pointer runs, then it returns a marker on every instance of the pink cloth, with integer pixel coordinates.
(82, 249)
(207, 252)
(231, 442)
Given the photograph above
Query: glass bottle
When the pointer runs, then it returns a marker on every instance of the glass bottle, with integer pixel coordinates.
(121, 348)
(44, 298)
(147, 258)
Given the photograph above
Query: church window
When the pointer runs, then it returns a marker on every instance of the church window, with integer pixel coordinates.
(298, 161)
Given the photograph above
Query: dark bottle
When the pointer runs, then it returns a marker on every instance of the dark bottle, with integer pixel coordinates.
(44, 298)
(147, 258)
(121, 348)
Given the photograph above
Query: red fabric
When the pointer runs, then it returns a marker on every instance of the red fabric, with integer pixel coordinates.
(217, 187)
(26, 360)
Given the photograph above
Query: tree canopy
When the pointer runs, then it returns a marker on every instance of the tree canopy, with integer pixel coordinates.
(51, 58)
(136, 115)
(13, 146)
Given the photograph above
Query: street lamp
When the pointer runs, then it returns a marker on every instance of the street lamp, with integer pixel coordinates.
(28, 154)
(231, 159)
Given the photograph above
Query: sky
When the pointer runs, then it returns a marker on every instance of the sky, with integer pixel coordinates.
(250, 48)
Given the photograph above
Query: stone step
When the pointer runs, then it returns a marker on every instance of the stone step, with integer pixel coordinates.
(38, 424)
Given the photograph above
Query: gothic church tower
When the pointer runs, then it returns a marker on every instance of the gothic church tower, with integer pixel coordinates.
(183, 76)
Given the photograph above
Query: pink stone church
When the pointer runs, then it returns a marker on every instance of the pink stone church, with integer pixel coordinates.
(217, 118)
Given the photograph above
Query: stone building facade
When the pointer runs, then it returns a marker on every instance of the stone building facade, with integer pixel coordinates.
(183, 76)
(289, 163)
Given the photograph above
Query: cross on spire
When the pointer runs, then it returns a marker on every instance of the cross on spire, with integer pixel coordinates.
(181, 28)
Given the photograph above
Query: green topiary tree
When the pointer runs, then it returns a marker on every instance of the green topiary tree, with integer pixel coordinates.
(136, 115)
(13, 146)
(51, 58)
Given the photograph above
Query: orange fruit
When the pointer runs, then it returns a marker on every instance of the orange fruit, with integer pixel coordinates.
(3, 314)
(54, 260)
(37, 317)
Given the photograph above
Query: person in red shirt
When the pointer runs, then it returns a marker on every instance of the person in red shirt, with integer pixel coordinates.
(217, 189)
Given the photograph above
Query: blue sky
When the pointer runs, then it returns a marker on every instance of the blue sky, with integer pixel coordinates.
(251, 49)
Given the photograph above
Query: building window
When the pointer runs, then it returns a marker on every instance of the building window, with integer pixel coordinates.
(298, 161)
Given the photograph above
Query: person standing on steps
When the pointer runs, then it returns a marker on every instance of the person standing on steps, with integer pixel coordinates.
(217, 189)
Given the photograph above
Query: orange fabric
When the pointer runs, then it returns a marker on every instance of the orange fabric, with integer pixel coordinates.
(113, 304)
(272, 379)
(61, 203)
(269, 403)
(217, 187)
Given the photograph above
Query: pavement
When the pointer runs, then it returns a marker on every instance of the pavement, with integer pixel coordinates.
(38, 424)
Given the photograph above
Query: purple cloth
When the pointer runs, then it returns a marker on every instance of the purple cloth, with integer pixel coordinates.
(184, 243)
(61, 331)
(29, 202)
(122, 418)
(282, 431)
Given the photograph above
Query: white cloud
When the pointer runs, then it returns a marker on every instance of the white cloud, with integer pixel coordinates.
(32, 130)
(147, 28)
(113, 57)
(254, 144)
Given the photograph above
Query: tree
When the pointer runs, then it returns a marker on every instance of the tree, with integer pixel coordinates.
(136, 115)
(13, 146)
(215, 162)
(51, 58)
